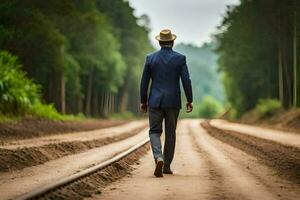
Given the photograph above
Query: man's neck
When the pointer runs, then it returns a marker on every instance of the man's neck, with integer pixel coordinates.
(167, 47)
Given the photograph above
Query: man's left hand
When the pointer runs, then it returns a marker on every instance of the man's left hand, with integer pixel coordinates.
(189, 107)
(143, 107)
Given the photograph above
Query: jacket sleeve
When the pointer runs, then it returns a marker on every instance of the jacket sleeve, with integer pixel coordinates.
(186, 81)
(145, 82)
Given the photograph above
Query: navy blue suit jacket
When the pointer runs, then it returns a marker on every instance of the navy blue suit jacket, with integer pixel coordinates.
(165, 68)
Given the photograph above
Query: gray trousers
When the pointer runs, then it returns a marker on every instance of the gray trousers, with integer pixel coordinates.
(156, 117)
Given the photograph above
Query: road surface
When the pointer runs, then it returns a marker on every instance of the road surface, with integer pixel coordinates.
(210, 167)
(19, 182)
(223, 161)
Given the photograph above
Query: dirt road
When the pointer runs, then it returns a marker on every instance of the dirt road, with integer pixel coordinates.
(19, 154)
(217, 165)
(18, 182)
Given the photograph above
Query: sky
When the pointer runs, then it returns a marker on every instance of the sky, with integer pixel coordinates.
(193, 21)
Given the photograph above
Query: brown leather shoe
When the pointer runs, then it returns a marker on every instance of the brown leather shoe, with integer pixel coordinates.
(167, 169)
(159, 167)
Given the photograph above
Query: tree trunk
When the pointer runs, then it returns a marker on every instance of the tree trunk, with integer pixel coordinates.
(112, 104)
(100, 102)
(89, 93)
(109, 103)
(62, 94)
(79, 104)
(280, 74)
(287, 80)
(62, 86)
(105, 105)
(295, 81)
(123, 99)
(95, 106)
(57, 90)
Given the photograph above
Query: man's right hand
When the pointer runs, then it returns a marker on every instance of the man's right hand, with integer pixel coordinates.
(189, 107)
(143, 107)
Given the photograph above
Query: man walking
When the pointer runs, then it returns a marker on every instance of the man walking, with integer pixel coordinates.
(164, 67)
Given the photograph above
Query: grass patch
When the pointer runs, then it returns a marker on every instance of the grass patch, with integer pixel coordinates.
(41, 111)
(267, 107)
(45, 111)
(8, 118)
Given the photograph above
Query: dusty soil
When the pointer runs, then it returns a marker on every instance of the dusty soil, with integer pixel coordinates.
(278, 136)
(209, 164)
(30, 152)
(95, 183)
(29, 128)
(18, 182)
(287, 120)
(284, 159)
(205, 167)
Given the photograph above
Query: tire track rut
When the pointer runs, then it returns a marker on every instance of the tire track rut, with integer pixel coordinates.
(284, 159)
(236, 181)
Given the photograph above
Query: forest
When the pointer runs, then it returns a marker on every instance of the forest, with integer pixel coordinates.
(85, 58)
(72, 56)
(258, 47)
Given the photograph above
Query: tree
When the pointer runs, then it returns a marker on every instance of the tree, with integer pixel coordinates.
(257, 48)
(86, 55)
(134, 44)
(17, 93)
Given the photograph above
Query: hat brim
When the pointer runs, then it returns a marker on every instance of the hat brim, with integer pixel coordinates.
(166, 40)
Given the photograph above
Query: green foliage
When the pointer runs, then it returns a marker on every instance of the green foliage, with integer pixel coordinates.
(91, 48)
(203, 66)
(254, 37)
(209, 108)
(20, 96)
(234, 97)
(232, 114)
(9, 118)
(206, 80)
(17, 93)
(267, 107)
(73, 84)
(134, 45)
(45, 111)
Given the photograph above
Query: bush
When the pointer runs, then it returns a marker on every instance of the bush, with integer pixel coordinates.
(232, 114)
(209, 107)
(17, 93)
(267, 107)
(20, 96)
(49, 112)
(45, 111)
(5, 118)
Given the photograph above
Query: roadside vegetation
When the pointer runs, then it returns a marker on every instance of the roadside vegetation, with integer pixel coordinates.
(208, 108)
(70, 57)
(267, 107)
(270, 113)
(65, 59)
(20, 96)
(258, 47)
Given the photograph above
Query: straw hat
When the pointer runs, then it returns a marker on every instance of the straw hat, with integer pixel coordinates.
(166, 35)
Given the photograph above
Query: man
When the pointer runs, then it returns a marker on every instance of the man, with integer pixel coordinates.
(164, 67)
